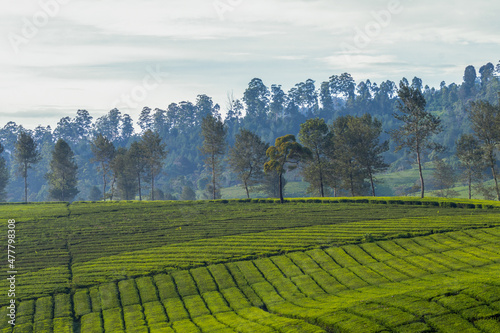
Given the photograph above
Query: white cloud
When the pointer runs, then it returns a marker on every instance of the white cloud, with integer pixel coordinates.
(93, 51)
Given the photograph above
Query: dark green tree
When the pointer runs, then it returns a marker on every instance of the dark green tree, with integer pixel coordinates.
(470, 76)
(154, 153)
(26, 155)
(247, 158)
(271, 185)
(277, 103)
(4, 176)
(315, 136)
(62, 175)
(444, 179)
(418, 126)
(485, 120)
(351, 173)
(104, 152)
(213, 132)
(136, 157)
(486, 72)
(471, 157)
(124, 173)
(256, 98)
(95, 194)
(368, 149)
(284, 156)
(188, 193)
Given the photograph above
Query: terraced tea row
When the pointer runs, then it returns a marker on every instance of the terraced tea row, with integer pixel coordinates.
(229, 248)
(442, 282)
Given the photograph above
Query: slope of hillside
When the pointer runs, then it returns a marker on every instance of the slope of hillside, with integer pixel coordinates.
(307, 266)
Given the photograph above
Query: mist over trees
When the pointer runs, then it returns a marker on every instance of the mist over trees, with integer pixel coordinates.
(108, 153)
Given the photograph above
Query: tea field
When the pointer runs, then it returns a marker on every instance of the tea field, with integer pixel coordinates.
(310, 265)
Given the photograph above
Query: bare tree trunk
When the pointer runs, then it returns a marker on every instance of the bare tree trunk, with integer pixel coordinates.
(213, 176)
(62, 188)
(104, 188)
(281, 189)
(421, 175)
(113, 188)
(321, 189)
(139, 179)
(470, 186)
(26, 182)
(104, 183)
(246, 189)
(152, 186)
(351, 181)
(373, 185)
(493, 171)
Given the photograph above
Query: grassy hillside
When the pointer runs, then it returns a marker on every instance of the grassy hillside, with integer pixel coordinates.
(324, 265)
(388, 184)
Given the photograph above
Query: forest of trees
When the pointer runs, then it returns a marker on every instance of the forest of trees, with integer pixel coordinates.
(337, 137)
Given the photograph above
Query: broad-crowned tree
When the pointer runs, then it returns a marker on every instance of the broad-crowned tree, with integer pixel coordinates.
(285, 156)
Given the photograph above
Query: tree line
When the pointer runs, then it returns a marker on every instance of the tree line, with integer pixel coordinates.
(345, 108)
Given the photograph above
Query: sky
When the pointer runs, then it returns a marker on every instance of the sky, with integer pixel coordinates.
(58, 56)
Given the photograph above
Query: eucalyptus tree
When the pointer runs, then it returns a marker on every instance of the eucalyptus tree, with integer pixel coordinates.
(419, 125)
(26, 155)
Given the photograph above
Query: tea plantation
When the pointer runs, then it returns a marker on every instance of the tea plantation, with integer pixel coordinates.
(310, 265)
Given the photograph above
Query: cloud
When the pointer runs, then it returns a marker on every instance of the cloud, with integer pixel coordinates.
(93, 51)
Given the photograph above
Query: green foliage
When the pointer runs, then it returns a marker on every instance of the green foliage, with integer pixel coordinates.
(358, 152)
(124, 174)
(319, 170)
(26, 155)
(272, 186)
(95, 194)
(285, 156)
(444, 179)
(63, 171)
(214, 146)
(247, 158)
(418, 126)
(153, 153)
(187, 193)
(485, 120)
(104, 152)
(471, 157)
